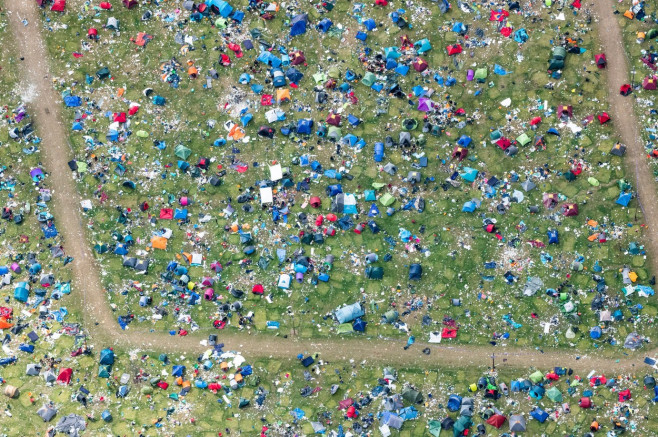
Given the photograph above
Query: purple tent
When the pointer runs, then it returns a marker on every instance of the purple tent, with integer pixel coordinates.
(36, 173)
(470, 75)
(424, 104)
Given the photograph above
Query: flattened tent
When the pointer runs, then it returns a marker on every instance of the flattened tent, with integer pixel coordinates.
(349, 313)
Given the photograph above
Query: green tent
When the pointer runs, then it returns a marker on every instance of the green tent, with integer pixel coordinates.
(101, 248)
(82, 166)
(378, 185)
(368, 79)
(412, 396)
(182, 152)
(220, 23)
(523, 139)
(481, 74)
(653, 33)
(434, 428)
(345, 328)
(537, 377)
(146, 390)
(559, 53)
(104, 371)
(556, 64)
(461, 425)
(554, 394)
(593, 181)
(319, 78)
(103, 73)
(142, 134)
(387, 199)
(374, 272)
(495, 135)
(334, 73)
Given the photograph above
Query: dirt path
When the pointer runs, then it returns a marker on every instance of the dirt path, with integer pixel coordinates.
(101, 322)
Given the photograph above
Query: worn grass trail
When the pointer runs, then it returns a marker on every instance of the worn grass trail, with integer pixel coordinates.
(100, 321)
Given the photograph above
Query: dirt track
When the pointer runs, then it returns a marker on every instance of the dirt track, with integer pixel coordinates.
(101, 322)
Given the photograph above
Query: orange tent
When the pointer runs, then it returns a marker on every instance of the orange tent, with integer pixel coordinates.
(159, 243)
(283, 95)
(237, 133)
(4, 324)
(188, 257)
(193, 72)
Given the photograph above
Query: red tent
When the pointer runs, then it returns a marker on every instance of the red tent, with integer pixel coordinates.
(106, 5)
(449, 333)
(603, 118)
(258, 289)
(333, 119)
(503, 143)
(576, 4)
(166, 213)
(625, 395)
(332, 217)
(454, 49)
(420, 65)
(266, 100)
(598, 380)
(120, 117)
(64, 376)
(650, 83)
(163, 385)
(570, 209)
(214, 386)
(496, 420)
(506, 31)
(345, 403)
(92, 33)
(130, 3)
(381, 2)
(498, 15)
(585, 403)
(600, 60)
(352, 413)
(58, 6)
(625, 89)
(552, 376)
(460, 153)
(297, 57)
(535, 121)
(315, 202)
(134, 107)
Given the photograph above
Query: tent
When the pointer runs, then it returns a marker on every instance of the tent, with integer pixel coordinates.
(497, 420)
(461, 425)
(412, 396)
(624, 199)
(600, 60)
(517, 423)
(324, 25)
(650, 83)
(539, 415)
(104, 371)
(415, 272)
(554, 394)
(107, 357)
(64, 376)
(58, 6)
(454, 49)
(46, 413)
(618, 149)
(298, 24)
(570, 209)
(349, 313)
(374, 272)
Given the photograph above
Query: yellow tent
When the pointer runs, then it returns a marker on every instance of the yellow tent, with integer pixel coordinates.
(159, 243)
(632, 276)
(283, 95)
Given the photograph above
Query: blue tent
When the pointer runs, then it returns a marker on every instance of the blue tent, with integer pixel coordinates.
(72, 101)
(348, 313)
(392, 420)
(123, 391)
(333, 190)
(49, 231)
(515, 386)
(21, 292)
(298, 24)
(245, 119)
(595, 333)
(304, 126)
(349, 140)
(223, 8)
(469, 174)
(521, 36)
(391, 64)
(324, 25)
(624, 198)
(294, 75)
(29, 348)
(402, 70)
(359, 325)
(159, 100)
(121, 249)
(460, 28)
(361, 36)
(444, 6)
(370, 24)
(553, 237)
(379, 152)
(77, 126)
(112, 135)
(553, 131)
(180, 214)
(268, 58)
(537, 392)
(454, 402)
(238, 16)
(422, 46)
(374, 211)
(464, 141)
(415, 272)
(177, 370)
(107, 357)
(469, 206)
(539, 415)
(353, 120)
(392, 52)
